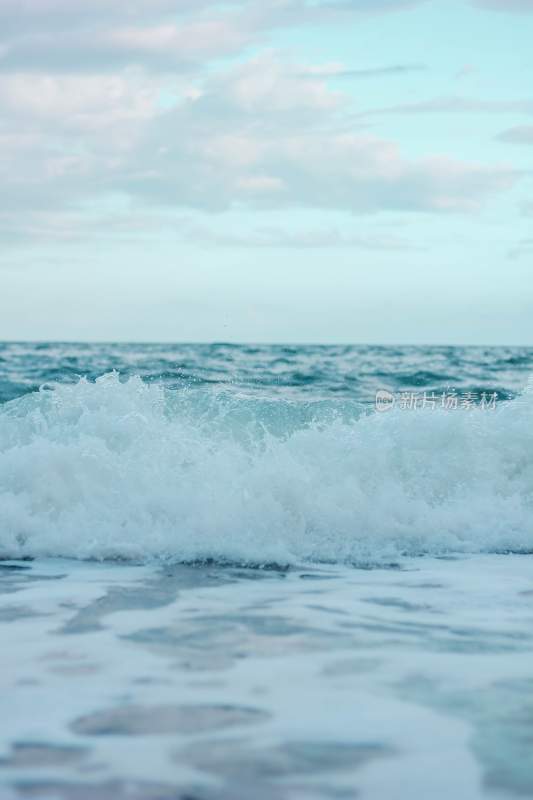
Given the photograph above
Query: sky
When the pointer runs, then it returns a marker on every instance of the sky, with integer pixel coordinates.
(267, 171)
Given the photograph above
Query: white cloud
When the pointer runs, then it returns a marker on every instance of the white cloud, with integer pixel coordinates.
(85, 35)
(261, 133)
(261, 183)
(466, 71)
(267, 85)
(336, 70)
(459, 105)
(507, 6)
(258, 135)
(124, 222)
(272, 237)
(78, 102)
(523, 248)
(24, 14)
(263, 120)
(522, 134)
(158, 47)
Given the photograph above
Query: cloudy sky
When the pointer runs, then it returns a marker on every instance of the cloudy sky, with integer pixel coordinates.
(267, 170)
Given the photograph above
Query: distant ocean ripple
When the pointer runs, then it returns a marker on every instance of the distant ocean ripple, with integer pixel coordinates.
(353, 372)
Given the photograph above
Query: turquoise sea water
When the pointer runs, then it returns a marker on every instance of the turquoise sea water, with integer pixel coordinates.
(299, 372)
(224, 574)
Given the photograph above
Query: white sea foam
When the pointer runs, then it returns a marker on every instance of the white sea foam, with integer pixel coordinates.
(128, 470)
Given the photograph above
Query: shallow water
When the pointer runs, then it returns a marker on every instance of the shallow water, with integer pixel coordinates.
(355, 617)
(212, 682)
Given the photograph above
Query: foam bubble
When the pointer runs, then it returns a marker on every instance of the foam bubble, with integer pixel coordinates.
(116, 469)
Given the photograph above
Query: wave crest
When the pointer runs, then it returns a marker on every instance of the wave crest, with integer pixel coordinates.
(116, 469)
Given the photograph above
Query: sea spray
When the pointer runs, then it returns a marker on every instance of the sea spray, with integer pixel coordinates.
(124, 469)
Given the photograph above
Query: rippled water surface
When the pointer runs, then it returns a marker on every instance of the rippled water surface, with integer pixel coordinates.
(353, 372)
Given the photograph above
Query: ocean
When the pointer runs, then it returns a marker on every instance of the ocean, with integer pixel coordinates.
(268, 572)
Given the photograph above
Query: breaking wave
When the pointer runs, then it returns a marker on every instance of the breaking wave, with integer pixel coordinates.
(123, 469)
